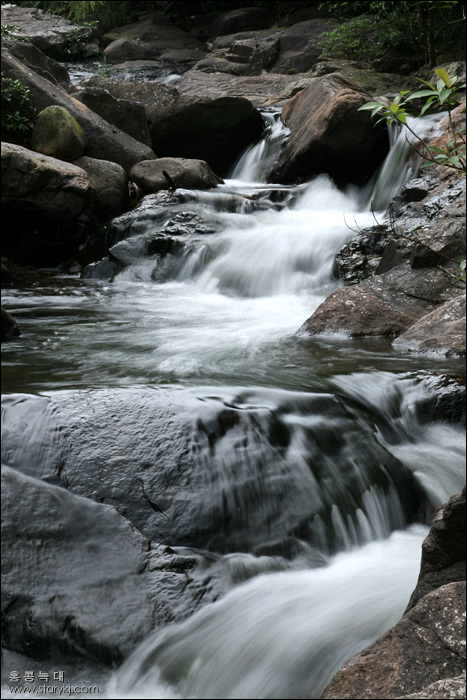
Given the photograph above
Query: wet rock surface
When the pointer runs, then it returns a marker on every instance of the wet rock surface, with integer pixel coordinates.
(426, 649)
(403, 277)
(83, 567)
(175, 487)
(328, 134)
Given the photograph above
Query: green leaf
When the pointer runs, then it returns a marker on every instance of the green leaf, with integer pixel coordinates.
(462, 264)
(370, 105)
(441, 73)
(427, 83)
(422, 93)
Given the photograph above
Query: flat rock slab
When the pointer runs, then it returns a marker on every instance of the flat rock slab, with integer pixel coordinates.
(50, 33)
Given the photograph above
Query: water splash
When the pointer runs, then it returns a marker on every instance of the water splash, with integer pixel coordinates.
(280, 635)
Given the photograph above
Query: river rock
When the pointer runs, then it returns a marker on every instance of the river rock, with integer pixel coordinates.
(426, 648)
(299, 46)
(329, 135)
(110, 186)
(168, 473)
(366, 309)
(243, 19)
(443, 550)
(147, 38)
(183, 126)
(104, 141)
(72, 567)
(56, 133)
(184, 172)
(127, 115)
(54, 35)
(40, 63)
(46, 204)
(441, 332)
(9, 328)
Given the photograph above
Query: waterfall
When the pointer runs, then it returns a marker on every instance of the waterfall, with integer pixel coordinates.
(256, 161)
(180, 395)
(403, 161)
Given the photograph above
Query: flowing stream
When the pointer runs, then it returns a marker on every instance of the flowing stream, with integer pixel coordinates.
(319, 441)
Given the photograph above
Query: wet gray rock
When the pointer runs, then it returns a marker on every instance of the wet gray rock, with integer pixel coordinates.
(9, 327)
(443, 550)
(440, 332)
(171, 480)
(82, 566)
(110, 186)
(40, 63)
(148, 38)
(367, 309)
(184, 126)
(155, 175)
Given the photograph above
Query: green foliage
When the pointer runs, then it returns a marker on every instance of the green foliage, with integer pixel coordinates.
(443, 95)
(16, 111)
(11, 31)
(429, 28)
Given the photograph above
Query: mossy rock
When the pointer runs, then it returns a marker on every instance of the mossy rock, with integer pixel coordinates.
(58, 134)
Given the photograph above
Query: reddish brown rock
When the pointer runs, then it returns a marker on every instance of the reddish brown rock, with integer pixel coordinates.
(366, 309)
(442, 331)
(329, 134)
(423, 655)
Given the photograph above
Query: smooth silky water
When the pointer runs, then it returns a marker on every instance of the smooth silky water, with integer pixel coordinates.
(220, 329)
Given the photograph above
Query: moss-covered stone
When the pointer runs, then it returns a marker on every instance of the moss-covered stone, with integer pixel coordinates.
(58, 134)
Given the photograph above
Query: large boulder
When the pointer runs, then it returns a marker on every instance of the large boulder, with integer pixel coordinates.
(127, 115)
(56, 133)
(329, 135)
(39, 62)
(423, 655)
(148, 38)
(183, 172)
(242, 19)
(163, 458)
(45, 202)
(183, 126)
(373, 308)
(299, 46)
(71, 567)
(104, 141)
(54, 35)
(110, 186)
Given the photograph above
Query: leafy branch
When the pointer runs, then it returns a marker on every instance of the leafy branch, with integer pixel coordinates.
(442, 96)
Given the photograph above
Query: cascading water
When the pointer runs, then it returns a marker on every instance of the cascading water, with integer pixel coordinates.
(404, 160)
(299, 464)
